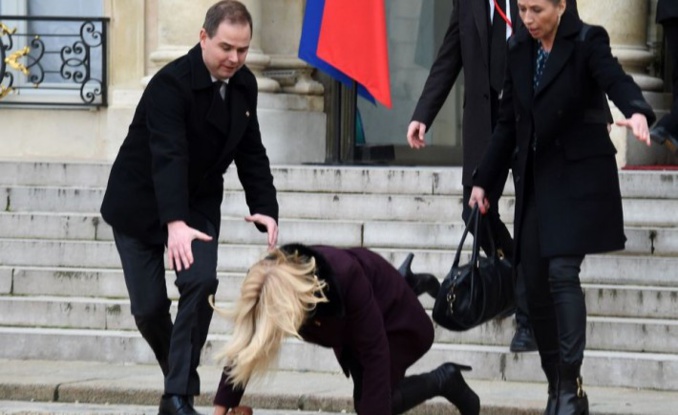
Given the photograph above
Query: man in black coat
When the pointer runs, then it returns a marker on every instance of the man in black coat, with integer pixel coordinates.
(472, 43)
(197, 115)
(666, 130)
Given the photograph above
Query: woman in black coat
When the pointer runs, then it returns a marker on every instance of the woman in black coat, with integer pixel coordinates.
(553, 123)
(353, 301)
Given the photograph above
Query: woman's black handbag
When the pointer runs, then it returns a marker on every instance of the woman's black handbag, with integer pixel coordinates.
(479, 291)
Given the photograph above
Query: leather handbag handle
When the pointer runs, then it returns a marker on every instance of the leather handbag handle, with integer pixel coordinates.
(477, 218)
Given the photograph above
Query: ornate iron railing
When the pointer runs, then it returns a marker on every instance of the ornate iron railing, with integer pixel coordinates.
(54, 61)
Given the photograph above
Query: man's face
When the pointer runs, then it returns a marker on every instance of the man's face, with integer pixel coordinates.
(225, 52)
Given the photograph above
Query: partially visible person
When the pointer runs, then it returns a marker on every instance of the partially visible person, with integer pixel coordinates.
(553, 124)
(353, 301)
(666, 130)
(197, 115)
(475, 42)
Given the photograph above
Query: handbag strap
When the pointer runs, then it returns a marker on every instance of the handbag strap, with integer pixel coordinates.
(475, 218)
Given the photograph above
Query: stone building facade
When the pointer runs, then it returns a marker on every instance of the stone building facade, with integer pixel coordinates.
(143, 35)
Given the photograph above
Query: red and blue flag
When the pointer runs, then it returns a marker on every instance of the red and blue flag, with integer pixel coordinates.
(347, 39)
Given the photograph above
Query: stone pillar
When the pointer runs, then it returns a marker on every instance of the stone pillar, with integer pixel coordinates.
(257, 60)
(626, 21)
(126, 42)
(128, 46)
(178, 28)
(293, 123)
(294, 75)
(280, 39)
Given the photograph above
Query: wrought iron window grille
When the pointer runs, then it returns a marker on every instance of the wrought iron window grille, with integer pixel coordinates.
(64, 68)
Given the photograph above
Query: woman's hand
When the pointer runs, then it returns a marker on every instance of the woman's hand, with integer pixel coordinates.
(638, 125)
(478, 196)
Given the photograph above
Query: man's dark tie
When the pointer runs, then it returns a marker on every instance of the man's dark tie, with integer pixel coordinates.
(221, 104)
(498, 48)
(217, 89)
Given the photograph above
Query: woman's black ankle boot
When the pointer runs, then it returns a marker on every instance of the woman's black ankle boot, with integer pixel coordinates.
(445, 381)
(571, 398)
(419, 283)
(453, 387)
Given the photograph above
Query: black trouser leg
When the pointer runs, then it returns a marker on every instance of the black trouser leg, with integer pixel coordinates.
(144, 272)
(534, 271)
(177, 347)
(568, 300)
(522, 316)
(558, 316)
(194, 315)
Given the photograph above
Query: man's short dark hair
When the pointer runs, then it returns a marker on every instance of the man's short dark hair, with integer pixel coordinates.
(231, 11)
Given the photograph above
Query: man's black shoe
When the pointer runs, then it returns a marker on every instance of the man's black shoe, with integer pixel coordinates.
(523, 341)
(176, 405)
(661, 135)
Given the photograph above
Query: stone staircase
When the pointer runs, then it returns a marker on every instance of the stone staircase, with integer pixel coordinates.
(63, 298)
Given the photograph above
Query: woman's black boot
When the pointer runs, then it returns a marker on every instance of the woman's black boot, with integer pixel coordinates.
(551, 371)
(445, 381)
(419, 283)
(571, 398)
(454, 388)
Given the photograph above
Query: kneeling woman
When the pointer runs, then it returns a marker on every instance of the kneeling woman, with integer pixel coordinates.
(353, 301)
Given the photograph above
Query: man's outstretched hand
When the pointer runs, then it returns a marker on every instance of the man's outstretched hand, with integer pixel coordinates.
(179, 239)
(270, 224)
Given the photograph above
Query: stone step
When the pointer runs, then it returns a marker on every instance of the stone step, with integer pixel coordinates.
(385, 234)
(599, 269)
(327, 206)
(634, 301)
(601, 368)
(59, 408)
(116, 389)
(341, 179)
(87, 226)
(342, 206)
(604, 333)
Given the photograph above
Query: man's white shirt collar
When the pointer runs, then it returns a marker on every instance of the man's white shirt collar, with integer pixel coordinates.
(507, 11)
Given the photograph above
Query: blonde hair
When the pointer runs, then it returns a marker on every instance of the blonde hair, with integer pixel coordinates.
(276, 297)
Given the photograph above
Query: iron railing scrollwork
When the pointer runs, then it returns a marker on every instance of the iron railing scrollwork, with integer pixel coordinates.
(55, 61)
